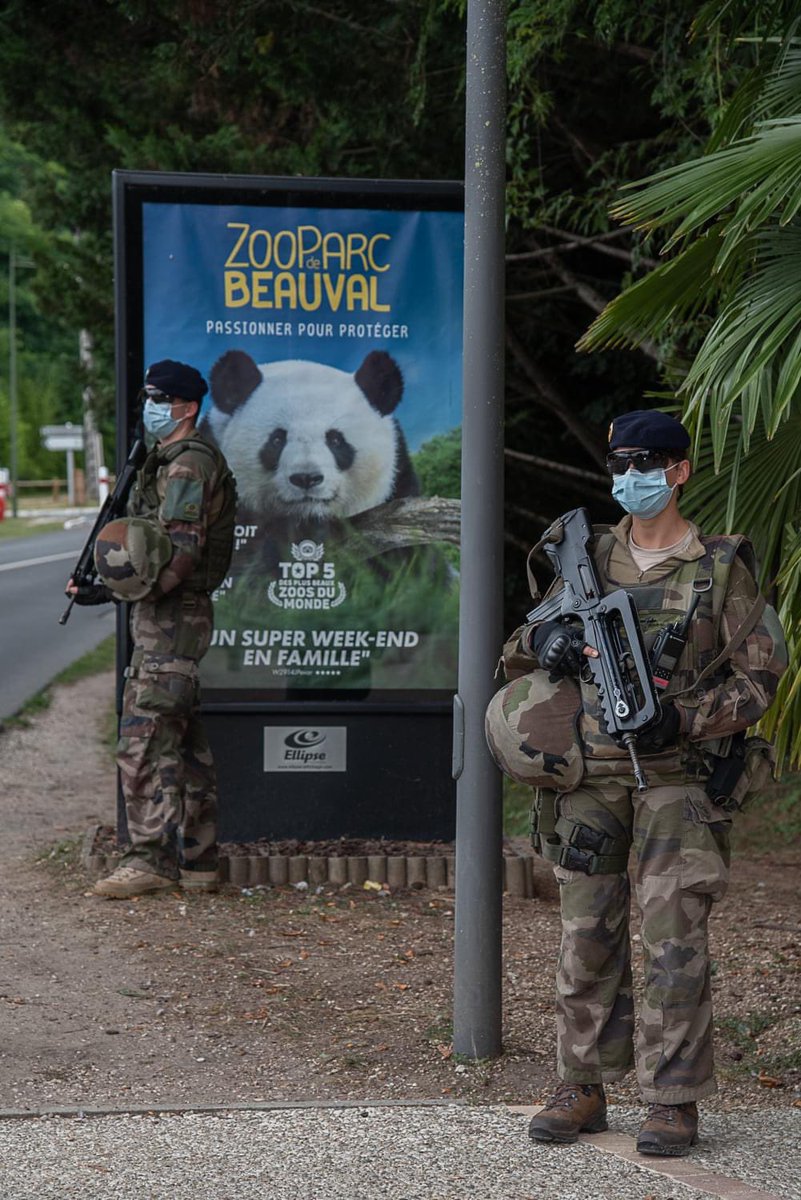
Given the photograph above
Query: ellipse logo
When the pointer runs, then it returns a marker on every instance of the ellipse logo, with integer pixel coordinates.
(301, 739)
(305, 748)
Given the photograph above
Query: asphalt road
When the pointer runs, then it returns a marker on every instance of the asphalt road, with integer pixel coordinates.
(33, 646)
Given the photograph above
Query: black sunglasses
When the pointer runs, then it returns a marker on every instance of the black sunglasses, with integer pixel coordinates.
(619, 461)
(148, 392)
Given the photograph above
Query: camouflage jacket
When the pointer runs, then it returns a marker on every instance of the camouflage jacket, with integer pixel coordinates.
(740, 690)
(178, 485)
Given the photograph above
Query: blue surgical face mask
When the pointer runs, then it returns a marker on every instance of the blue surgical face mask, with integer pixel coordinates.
(643, 494)
(158, 419)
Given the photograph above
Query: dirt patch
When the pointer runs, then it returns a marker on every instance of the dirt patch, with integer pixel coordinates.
(280, 993)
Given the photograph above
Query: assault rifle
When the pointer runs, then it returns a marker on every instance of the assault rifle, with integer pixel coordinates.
(622, 671)
(85, 571)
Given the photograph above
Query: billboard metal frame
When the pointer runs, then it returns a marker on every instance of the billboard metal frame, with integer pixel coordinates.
(130, 191)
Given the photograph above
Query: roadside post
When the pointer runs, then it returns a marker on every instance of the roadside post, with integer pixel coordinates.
(67, 439)
(102, 484)
(479, 819)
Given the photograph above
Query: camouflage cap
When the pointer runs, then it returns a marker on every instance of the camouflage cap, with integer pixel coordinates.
(531, 731)
(129, 555)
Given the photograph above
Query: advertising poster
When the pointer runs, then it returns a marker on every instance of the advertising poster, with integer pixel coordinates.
(331, 341)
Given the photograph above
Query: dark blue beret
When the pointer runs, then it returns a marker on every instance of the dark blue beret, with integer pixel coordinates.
(177, 379)
(649, 430)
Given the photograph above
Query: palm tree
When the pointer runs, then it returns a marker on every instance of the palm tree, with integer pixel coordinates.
(725, 309)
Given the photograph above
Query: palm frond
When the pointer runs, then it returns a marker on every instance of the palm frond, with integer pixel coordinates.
(737, 118)
(752, 352)
(781, 92)
(756, 177)
(732, 19)
(733, 223)
(674, 291)
(757, 493)
(783, 721)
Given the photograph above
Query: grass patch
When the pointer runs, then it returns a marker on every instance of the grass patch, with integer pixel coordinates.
(17, 527)
(744, 1033)
(101, 658)
(63, 856)
(744, 1030)
(440, 1033)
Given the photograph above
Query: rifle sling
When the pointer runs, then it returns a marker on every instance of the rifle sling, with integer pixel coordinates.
(735, 641)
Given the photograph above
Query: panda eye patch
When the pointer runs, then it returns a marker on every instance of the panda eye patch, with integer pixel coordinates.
(271, 450)
(341, 449)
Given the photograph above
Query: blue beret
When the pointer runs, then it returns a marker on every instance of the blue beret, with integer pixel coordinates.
(648, 430)
(177, 379)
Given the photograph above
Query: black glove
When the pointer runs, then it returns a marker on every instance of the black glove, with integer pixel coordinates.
(664, 731)
(92, 593)
(552, 643)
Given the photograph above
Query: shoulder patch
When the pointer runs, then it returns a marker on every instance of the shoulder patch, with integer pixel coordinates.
(183, 500)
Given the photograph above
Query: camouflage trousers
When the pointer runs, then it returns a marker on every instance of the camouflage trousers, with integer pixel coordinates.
(679, 866)
(166, 767)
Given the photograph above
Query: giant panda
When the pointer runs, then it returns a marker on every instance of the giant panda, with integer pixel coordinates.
(308, 442)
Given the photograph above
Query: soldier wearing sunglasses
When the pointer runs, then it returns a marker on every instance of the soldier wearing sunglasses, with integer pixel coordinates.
(727, 655)
(182, 510)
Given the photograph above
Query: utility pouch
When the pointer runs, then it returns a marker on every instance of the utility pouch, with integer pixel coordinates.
(746, 770)
(542, 817)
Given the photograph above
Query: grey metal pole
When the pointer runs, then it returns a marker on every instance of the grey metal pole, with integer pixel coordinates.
(12, 378)
(70, 476)
(479, 816)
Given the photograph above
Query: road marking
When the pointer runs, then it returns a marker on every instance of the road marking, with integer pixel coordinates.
(680, 1170)
(37, 562)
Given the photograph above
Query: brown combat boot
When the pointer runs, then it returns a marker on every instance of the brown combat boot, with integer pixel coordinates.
(129, 881)
(574, 1108)
(669, 1129)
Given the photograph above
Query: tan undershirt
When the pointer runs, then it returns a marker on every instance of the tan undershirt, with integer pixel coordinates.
(645, 559)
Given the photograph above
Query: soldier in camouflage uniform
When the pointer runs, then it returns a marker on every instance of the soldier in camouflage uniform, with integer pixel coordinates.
(184, 492)
(725, 680)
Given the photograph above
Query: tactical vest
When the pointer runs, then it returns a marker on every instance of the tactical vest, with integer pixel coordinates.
(664, 601)
(145, 502)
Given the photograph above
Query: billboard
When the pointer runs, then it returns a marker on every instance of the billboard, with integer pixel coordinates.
(327, 317)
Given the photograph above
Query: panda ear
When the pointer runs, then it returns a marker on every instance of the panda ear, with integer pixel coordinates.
(234, 377)
(380, 379)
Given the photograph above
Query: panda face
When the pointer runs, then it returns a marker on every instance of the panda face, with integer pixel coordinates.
(306, 442)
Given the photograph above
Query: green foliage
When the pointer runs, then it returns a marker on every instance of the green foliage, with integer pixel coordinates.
(50, 383)
(599, 93)
(290, 88)
(438, 464)
(770, 819)
(730, 297)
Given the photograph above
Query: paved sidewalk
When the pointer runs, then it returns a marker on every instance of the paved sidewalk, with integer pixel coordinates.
(369, 1151)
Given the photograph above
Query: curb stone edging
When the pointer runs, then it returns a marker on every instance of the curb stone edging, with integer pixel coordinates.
(435, 872)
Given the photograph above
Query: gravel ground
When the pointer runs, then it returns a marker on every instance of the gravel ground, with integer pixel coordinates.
(762, 1148)
(408, 1153)
(274, 996)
